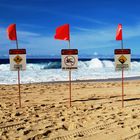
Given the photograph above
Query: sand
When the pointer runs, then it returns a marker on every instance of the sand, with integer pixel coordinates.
(96, 112)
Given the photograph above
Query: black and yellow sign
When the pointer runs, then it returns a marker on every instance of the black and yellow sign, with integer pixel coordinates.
(18, 59)
(122, 59)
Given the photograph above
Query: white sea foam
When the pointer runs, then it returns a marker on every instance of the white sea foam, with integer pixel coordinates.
(93, 69)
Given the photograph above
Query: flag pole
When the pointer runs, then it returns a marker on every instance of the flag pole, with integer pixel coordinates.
(18, 79)
(122, 77)
(69, 79)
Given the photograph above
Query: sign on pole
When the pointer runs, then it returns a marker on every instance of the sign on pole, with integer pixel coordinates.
(17, 59)
(69, 58)
(69, 61)
(122, 59)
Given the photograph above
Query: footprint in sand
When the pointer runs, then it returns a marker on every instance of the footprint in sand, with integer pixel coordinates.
(134, 116)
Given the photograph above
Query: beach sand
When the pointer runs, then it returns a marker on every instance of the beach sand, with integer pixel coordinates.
(96, 112)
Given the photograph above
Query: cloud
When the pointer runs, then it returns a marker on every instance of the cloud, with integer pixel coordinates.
(87, 19)
(131, 31)
(25, 25)
(26, 34)
(93, 38)
(103, 37)
(81, 29)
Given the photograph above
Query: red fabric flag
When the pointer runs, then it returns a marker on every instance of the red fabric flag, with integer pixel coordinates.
(62, 32)
(11, 31)
(119, 32)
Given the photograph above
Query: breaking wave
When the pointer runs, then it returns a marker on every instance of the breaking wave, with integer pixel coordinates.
(51, 71)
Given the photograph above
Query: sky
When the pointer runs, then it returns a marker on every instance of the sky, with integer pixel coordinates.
(93, 25)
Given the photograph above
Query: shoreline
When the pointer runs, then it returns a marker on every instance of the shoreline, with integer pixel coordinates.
(136, 78)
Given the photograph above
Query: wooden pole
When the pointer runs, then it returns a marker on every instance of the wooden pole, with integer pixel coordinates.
(18, 79)
(19, 87)
(70, 86)
(122, 77)
(69, 79)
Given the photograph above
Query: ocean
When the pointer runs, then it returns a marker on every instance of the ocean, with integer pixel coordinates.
(49, 70)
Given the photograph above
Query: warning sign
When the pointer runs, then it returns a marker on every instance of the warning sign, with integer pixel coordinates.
(69, 58)
(122, 58)
(17, 59)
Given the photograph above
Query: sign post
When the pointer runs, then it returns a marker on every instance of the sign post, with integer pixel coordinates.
(122, 62)
(122, 76)
(69, 62)
(69, 78)
(17, 63)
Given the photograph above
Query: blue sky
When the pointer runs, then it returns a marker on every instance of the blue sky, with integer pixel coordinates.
(93, 25)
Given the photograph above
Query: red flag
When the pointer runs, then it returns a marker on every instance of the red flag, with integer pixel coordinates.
(11, 31)
(62, 32)
(119, 32)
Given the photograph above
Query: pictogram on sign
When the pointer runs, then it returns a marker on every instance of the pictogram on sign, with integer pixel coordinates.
(122, 59)
(69, 60)
(18, 59)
